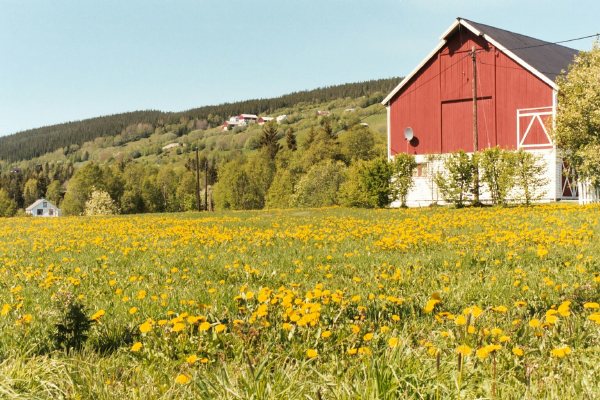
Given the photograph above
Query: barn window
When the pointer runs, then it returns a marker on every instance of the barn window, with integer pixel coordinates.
(40, 211)
(50, 212)
(45, 205)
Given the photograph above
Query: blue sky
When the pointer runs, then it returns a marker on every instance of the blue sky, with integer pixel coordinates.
(64, 60)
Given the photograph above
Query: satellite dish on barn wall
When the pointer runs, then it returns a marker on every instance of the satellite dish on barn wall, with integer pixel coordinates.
(408, 134)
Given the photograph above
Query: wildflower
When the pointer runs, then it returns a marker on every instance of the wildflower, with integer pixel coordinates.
(97, 315)
(500, 309)
(460, 320)
(393, 342)
(204, 326)
(464, 350)
(368, 337)
(535, 323)
(220, 328)
(312, 353)
(137, 346)
(191, 359)
(146, 327)
(182, 379)
(5, 309)
(517, 351)
(133, 310)
(431, 303)
(178, 327)
(561, 352)
(326, 334)
(591, 306)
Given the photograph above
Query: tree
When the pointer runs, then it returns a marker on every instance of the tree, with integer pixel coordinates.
(577, 126)
(290, 139)
(80, 187)
(358, 144)
(100, 203)
(235, 189)
(31, 191)
(54, 192)
(269, 140)
(529, 176)
(403, 168)
(368, 184)
(8, 207)
(320, 185)
(498, 172)
(456, 182)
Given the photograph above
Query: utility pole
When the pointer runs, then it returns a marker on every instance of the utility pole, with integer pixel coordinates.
(475, 131)
(198, 181)
(206, 185)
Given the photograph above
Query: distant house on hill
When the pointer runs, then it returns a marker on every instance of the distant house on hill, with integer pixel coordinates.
(247, 118)
(43, 208)
(264, 120)
(280, 118)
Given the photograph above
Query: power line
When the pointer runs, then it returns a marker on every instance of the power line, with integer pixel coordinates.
(559, 42)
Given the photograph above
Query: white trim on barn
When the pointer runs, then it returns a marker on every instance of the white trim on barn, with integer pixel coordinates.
(455, 24)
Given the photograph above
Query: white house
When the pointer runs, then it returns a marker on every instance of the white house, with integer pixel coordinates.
(43, 208)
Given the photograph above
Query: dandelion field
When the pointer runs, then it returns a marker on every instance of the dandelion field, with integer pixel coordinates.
(317, 304)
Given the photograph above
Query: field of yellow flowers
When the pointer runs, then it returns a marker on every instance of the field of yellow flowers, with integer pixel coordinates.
(316, 304)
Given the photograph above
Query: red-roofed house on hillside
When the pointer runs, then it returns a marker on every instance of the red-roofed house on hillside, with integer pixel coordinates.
(516, 102)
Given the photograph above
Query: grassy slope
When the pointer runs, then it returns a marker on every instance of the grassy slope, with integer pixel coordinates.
(217, 141)
(384, 263)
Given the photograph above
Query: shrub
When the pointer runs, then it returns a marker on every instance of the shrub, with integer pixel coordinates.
(529, 176)
(403, 168)
(498, 169)
(456, 182)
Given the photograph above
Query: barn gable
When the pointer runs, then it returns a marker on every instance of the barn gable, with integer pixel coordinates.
(544, 59)
(516, 96)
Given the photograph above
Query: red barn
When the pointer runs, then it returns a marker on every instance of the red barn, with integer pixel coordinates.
(516, 102)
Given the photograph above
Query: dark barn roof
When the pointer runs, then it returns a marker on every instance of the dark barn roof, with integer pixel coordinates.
(544, 59)
(548, 58)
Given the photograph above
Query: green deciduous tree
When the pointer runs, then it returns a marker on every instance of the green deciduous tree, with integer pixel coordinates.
(54, 192)
(578, 112)
(498, 172)
(319, 186)
(368, 184)
(403, 168)
(529, 176)
(100, 203)
(31, 192)
(456, 181)
(8, 207)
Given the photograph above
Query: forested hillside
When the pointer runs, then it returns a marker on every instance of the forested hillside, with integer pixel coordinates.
(36, 142)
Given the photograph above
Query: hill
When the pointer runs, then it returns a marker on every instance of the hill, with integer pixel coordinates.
(33, 143)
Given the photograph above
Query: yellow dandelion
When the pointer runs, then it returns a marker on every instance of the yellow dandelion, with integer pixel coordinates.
(312, 353)
(97, 315)
(137, 346)
(182, 379)
(393, 342)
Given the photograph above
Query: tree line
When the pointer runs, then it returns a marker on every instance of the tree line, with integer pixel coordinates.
(36, 142)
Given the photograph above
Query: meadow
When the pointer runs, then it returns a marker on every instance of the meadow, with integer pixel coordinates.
(316, 304)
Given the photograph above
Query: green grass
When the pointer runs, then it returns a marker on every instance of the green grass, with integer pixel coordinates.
(348, 272)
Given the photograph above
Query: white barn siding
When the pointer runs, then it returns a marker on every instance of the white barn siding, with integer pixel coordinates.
(425, 192)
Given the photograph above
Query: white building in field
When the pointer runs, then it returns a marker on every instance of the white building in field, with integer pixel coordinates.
(43, 208)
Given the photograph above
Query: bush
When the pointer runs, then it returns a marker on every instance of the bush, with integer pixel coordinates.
(403, 168)
(100, 203)
(529, 177)
(498, 172)
(456, 182)
(319, 186)
(367, 184)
